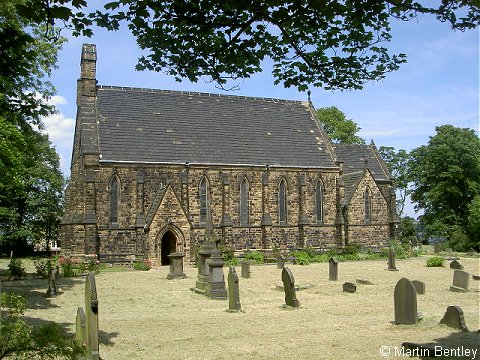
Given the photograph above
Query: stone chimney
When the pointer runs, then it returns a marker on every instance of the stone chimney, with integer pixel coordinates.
(86, 85)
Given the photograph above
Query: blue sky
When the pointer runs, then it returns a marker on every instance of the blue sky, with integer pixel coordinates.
(439, 85)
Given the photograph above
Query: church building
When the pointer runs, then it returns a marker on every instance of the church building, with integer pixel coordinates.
(149, 166)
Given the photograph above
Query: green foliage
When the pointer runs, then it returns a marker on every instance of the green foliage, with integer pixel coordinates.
(435, 261)
(352, 249)
(44, 266)
(69, 266)
(302, 257)
(228, 255)
(20, 341)
(91, 264)
(16, 269)
(144, 265)
(255, 256)
(401, 250)
(474, 222)
(338, 128)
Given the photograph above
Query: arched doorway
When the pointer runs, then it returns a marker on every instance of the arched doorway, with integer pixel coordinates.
(168, 246)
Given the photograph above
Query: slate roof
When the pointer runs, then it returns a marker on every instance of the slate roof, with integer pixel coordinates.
(353, 156)
(155, 126)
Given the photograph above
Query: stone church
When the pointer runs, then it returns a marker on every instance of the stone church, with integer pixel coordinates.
(149, 166)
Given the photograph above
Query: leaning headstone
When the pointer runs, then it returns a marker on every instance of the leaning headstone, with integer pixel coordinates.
(280, 262)
(233, 291)
(289, 287)
(363, 282)
(456, 265)
(460, 281)
(476, 277)
(91, 317)
(81, 331)
(419, 286)
(454, 318)
(246, 269)
(436, 248)
(215, 287)
(333, 269)
(405, 302)
(391, 260)
(176, 266)
(349, 287)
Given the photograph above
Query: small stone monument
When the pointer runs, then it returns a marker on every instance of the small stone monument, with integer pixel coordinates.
(454, 318)
(204, 254)
(405, 303)
(419, 286)
(289, 287)
(81, 331)
(176, 266)
(349, 287)
(246, 269)
(333, 269)
(280, 262)
(52, 283)
(391, 260)
(460, 281)
(233, 291)
(91, 317)
(215, 287)
(456, 265)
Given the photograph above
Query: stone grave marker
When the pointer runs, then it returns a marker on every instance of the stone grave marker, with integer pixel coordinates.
(333, 269)
(246, 269)
(349, 287)
(91, 317)
(81, 330)
(391, 260)
(233, 291)
(456, 265)
(215, 287)
(436, 248)
(419, 286)
(476, 277)
(363, 282)
(405, 303)
(289, 287)
(204, 254)
(280, 262)
(176, 266)
(454, 318)
(460, 281)
(52, 283)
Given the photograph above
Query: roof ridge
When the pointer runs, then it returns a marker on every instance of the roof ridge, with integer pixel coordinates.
(205, 94)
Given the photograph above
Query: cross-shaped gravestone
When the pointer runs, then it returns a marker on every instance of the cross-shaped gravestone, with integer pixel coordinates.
(289, 287)
(405, 302)
(333, 269)
(460, 281)
(91, 316)
(233, 291)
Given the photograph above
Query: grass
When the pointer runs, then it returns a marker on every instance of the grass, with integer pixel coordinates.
(142, 315)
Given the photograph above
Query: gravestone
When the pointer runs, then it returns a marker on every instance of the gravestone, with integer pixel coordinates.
(454, 318)
(52, 283)
(349, 287)
(391, 260)
(280, 262)
(233, 291)
(436, 248)
(460, 281)
(204, 254)
(176, 266)
(456, 265)
(476, 277)
(363, 282)
(81, 331)
(91, 317)
(215, 288)
(419, 286)
(289, 287)
(246, 269)
(333, 269)
(405, 303)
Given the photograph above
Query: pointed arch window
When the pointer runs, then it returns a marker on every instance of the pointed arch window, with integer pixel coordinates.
(203, 199)
(319, 202)
(368, 206)
(282, 202)
(114, 198)
(244, 208)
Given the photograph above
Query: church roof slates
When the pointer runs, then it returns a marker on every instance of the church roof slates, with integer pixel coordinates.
(140, 125)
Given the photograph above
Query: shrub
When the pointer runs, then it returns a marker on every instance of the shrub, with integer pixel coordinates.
(321, 258)
(435, 261)
(301, 257)
(228, 256)
(255, 256)
(43, 267)
(400, 249)
(16, 269)
(91, 264)
(352, 249)
(68, 266)
(144, 265)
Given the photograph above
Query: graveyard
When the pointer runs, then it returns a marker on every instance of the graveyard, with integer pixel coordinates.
(146, 315)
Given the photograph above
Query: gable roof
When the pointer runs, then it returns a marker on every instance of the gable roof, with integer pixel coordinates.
(155, 126)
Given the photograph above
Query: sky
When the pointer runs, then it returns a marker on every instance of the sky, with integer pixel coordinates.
(439, 85)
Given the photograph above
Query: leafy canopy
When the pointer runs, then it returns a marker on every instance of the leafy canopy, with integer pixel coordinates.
(330, 44)
(338, 128)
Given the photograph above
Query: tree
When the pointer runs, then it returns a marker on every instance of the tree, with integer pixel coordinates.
(329, 44)
(446, 179)
(397, 163)
(338, 128)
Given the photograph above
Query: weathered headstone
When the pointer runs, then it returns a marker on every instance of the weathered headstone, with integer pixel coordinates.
(460, 281)
(476, 277)
(349, 287)
(437, 247)
(233, 291)
(176, 266)
(363, 282)
(91, 317)
(454, 318)
(215, 287)
(456, 265)
(204, 254)
(419, 286)
(333, 269)
(52, 283)
(246, 269)
(289, 287)
(391, 260)
(405, 302)
(81, 330)
(280, 262)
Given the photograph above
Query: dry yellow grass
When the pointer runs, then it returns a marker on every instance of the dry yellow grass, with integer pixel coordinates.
(145, 316)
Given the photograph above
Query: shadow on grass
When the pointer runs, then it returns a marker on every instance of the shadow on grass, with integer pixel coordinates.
(457, 345)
